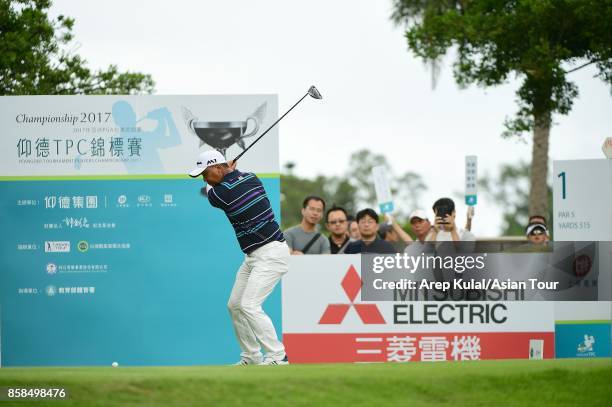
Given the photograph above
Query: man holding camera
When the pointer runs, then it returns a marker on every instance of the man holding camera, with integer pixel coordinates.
(445, 228)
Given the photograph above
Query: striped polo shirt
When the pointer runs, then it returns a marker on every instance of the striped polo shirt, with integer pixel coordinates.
(242, 197)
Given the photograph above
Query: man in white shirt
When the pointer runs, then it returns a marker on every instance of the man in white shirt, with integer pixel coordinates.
(445, 228)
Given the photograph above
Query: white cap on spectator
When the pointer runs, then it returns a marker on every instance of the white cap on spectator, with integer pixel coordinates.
(418, 213)
(536, 226)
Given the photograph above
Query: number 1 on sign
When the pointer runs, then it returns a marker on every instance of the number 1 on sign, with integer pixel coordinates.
(562, 176)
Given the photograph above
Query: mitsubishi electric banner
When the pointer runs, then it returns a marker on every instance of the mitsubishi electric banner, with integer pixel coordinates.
(109, 250)
(325, 321)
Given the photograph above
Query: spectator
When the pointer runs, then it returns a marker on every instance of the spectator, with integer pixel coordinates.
(367, 220)
(388, 233)
(304, 238)
(353, 229)
(419, 223)
(392, 229)
(445, 228)
(336, 221)
(536, 230)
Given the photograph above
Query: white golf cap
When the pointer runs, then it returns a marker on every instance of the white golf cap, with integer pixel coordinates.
(205, 160)
(418, 213)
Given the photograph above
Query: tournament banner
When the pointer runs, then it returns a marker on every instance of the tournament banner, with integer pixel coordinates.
(110, 252)
(324, 321)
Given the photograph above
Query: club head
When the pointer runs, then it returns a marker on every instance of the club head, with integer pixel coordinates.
(313, 92)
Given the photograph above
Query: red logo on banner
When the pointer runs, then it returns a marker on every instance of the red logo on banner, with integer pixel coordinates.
(368, 313)
(582, 265)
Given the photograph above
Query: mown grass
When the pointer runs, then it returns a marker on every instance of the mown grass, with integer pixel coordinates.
(482, 383)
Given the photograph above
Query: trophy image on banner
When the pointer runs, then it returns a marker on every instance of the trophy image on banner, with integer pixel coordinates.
(223, 135)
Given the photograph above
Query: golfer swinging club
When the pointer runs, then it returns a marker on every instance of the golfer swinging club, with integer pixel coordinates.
(243, 199)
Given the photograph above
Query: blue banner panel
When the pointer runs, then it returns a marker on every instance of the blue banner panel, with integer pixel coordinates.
(583, 340)
(136, 271)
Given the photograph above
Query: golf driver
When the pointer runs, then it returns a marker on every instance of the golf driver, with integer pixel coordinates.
(313, 92)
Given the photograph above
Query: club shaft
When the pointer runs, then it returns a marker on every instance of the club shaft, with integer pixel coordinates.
(269, 128)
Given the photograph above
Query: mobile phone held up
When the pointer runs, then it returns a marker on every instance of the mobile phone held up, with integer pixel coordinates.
(442, 211)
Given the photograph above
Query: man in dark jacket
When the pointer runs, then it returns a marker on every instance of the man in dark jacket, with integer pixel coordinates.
(367, 219)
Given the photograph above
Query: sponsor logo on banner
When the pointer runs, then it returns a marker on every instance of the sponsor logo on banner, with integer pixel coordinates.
(57, 247)
(585, 348)
(144, 199)
(342, 328)
(335, 313)
(582, 265)
(51, 268)
(83, 246)
(50, 290)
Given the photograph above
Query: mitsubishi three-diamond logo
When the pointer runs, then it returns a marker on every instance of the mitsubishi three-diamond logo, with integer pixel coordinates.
(368, 313)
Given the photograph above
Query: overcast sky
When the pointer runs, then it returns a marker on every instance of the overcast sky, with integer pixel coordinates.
(376, 94)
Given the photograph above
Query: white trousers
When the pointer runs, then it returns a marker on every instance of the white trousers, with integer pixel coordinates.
(255, 280)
